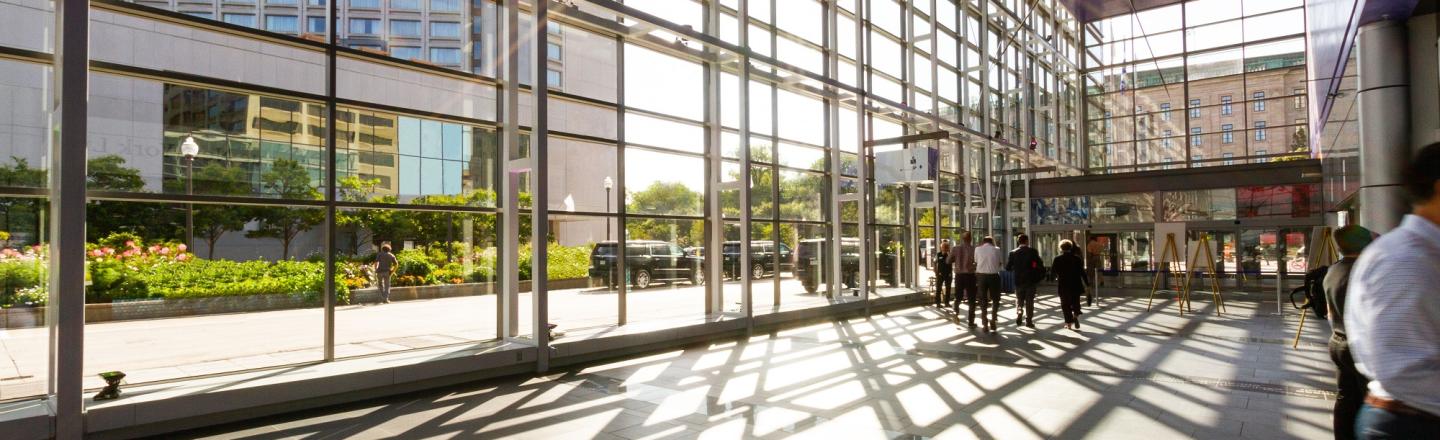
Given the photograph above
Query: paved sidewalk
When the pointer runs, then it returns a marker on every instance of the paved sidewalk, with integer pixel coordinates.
(170, 348)
(1129, 374)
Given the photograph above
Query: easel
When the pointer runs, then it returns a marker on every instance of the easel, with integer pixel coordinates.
(1329, 254)
(1170, 255)
(1215, 295)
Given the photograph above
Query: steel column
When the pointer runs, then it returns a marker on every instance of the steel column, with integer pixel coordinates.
(1384, 95)
(66, 317)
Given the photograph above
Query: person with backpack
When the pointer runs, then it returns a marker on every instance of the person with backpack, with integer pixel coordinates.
(1350, 387)
(1029, 270)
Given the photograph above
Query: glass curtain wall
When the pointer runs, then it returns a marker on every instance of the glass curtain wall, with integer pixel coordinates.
(277, 190)
(1199, 83)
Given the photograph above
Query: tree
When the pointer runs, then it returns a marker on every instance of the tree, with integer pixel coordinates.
(153, 222)
(21, 213)
(288, 180)
(213, 221)
(666, 198)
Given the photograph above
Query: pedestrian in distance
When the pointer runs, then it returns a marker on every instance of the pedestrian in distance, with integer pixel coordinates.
(1029, 270)
(1069, 272)
(987, 279)
(1350, 385)
(962, 263)
(385, 263)
(942, 275)
(1392, 315)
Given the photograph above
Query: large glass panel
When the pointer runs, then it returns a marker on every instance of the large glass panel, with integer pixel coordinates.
(665, 261)
(1212, 204)
(156, 307)
(441, 281)
(25, 128)
(1123, 208)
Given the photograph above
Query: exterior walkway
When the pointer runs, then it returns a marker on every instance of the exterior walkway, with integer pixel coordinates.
(911, 373)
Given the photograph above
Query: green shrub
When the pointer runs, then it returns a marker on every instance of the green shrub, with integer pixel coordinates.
(117, 240)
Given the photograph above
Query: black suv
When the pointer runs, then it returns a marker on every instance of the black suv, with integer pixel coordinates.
(647, 261)
(762, 258)
(811, 253)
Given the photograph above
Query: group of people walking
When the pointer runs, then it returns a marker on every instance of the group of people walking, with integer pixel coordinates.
(970, 273)
(1383, 298)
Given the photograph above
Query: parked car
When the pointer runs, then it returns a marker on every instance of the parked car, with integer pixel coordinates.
(647, 261)
(811, 254)
(763, 258)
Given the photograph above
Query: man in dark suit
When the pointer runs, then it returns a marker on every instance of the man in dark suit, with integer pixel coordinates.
(1029, 270)
(1070, 272)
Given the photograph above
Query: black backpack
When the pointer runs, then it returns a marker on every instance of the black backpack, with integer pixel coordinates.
(1313, 292)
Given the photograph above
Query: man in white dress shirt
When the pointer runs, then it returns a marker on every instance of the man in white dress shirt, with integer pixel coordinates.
(1392, 315)
(987, 277)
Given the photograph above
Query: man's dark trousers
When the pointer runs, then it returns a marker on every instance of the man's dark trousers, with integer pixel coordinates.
(943, 290)
(965, 289)
(1025, 295)
(1350, 395)
(989, 293)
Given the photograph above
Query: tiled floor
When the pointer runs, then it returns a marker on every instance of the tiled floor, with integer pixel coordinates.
(911, 373)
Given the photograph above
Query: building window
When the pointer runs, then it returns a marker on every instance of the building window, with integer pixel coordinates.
(444, 29)
(365, 4)
(315, 25)
(1164, 111)
(1259, 98)
(1229, 158)
(288, 24)
(552, 52)
(280, 2)
(448, 56)
(552, 77)
(1225, 105)
(315, 2)
(1194, 108)
(1195, 136)
(405, 4)
(1260, 130)
(446, 6)
(199, 14)
(247, 20)
(404, 28)
(1227, 134)
(364, 26)
(407, 52)
(553, 28)
(1166, 141)
(1299, 99)
(1197, 157)
(1261, 159)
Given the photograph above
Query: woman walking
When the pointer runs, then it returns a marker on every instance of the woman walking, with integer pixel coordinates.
(1070, 272)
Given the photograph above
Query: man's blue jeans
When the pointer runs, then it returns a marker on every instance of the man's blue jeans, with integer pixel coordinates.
(1376, 423)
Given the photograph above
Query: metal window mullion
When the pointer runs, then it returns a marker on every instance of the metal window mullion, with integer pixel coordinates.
(774, 172)
(539, 176)
(715, 227)
(864, 77)
(935, 108)
(331, 149)
(510, 218)
(834, 270)
(743, 263)
(622, 267)
(66, 317)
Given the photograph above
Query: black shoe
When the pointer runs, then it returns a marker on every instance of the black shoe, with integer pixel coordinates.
(1029, 324)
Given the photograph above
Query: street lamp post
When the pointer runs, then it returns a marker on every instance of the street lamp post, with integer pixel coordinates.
(609, 184)
(189, 148)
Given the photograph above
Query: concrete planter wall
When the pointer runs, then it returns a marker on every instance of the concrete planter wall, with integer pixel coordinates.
(27, 317)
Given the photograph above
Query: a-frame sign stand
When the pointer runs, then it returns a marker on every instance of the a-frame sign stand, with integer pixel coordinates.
(1330, 255)
(1171, 256)
(1215, 294)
